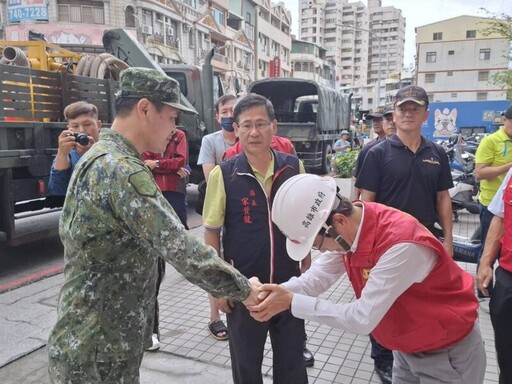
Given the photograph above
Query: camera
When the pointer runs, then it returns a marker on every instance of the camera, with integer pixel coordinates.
(81, 138)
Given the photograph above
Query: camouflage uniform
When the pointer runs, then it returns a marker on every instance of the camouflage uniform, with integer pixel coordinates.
(114, 225)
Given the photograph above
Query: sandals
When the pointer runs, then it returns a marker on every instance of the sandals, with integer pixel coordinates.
(216, 328)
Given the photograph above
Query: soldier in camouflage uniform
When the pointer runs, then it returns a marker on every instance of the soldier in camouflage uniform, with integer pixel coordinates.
(115, 223)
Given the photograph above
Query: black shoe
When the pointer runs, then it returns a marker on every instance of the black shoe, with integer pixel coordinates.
(309, 360)
(384, 372)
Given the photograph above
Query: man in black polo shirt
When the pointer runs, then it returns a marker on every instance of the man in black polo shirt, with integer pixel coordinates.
(376, 119)
(410, 173)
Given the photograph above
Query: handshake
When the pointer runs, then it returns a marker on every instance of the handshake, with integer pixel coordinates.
(266, 300)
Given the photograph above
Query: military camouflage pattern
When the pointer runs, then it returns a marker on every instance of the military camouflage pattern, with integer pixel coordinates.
(114, 225)
(149, 83)
(125, 371)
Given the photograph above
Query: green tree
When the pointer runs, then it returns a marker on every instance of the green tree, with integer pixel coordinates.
(500, 25)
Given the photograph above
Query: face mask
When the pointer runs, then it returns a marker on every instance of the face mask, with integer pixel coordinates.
(227, 123)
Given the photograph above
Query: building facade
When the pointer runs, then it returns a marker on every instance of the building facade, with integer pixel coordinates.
(455, 61)
(308, 61)
(365, 43)
(246, 34)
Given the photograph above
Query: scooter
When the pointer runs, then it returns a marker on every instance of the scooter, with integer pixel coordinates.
(463, 193)
(467, 249)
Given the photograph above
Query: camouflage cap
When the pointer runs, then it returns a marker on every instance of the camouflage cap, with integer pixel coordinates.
(148, 83)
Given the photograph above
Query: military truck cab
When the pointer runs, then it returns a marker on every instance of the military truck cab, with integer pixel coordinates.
(310, 114)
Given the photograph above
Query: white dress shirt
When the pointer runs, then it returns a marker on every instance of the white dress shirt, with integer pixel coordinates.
(397, 269)
(497, 206)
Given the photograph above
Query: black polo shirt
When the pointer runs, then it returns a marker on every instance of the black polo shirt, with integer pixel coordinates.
(364, 151)
(406, 180)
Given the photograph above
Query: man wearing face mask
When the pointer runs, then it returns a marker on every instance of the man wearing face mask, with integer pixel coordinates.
(212, 149)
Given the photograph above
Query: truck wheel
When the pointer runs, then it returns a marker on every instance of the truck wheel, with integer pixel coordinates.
(326, 164)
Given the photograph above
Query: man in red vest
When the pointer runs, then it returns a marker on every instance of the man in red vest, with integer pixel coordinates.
(499, 240)
(411, 296)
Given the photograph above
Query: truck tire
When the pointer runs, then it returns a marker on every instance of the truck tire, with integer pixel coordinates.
(326, 164)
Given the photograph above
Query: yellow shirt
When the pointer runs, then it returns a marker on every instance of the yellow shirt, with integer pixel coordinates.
(215, 200)
(494, 150)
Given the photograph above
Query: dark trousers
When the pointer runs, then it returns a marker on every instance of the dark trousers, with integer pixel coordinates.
(500, 308)
(178, 202)
(247, 345)
(381, 356)
(485, 222)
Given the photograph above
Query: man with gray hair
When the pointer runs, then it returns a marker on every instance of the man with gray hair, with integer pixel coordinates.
(238, 199)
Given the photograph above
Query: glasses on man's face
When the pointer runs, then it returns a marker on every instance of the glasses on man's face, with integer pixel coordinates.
(325, 231)
(258, 125)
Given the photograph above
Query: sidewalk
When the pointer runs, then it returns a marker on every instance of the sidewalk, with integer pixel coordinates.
(189, 355)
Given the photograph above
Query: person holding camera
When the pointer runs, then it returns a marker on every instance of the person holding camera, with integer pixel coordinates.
(81, 133)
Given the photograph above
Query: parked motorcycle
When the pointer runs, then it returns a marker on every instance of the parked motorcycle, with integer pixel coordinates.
(463, 193)
(466, 249)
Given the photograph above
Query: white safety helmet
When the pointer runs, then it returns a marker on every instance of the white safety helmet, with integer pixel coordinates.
(300, 208)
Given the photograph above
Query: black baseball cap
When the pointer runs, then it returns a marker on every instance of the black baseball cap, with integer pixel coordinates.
(508, 112)
(412, 93)
(378, 113)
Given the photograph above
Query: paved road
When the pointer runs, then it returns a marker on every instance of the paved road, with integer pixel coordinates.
(188, 354)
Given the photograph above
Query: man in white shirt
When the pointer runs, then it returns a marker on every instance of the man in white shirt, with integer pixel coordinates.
(411, 296)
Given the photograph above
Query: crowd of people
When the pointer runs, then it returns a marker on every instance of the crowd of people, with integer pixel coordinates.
(125, 216)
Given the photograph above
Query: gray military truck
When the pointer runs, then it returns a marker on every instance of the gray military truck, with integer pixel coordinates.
(311, 115)
(38, 80)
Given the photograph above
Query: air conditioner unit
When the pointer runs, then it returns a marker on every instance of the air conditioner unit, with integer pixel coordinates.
(147, 30)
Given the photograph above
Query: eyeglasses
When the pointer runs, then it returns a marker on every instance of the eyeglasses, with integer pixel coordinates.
(325, 231)
(259, 126)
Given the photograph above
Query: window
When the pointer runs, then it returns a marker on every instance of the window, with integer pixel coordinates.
(437, 36)
(218, 15)
(449, 73)
(471, 34)
(451, 53)
(431, 57)
(76, 11)
(129, 17)
(481, 96)
(483, 75)
(190, 3)
(485, 54)
(430, 77)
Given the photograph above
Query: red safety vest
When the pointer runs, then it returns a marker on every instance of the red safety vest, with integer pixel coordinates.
(430, 315)
(505, 259)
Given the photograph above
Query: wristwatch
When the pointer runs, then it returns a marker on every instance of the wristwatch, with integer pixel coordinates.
(158, 164)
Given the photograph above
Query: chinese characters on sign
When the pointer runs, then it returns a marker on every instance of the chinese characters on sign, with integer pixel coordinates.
(27, 10)
(275, 67)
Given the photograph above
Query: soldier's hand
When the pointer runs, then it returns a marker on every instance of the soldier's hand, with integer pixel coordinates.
(275, 299)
